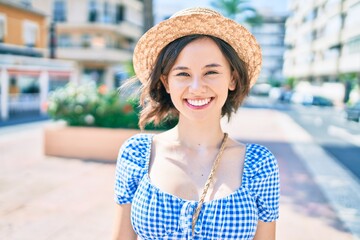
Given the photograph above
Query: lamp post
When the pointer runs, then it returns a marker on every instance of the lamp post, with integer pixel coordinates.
(52, 40)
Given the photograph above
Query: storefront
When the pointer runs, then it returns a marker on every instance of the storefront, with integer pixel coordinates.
(27, 81)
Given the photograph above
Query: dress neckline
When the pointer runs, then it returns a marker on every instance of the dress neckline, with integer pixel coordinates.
(148, 179)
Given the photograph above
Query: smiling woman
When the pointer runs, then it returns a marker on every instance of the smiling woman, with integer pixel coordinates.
(194, 181)
(200, 83)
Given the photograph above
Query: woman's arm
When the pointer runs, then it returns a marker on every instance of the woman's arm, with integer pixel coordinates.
(123, 229)
(265, 231)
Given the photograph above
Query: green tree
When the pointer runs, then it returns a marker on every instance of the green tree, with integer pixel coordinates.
(349, 80)
(290, 82)
(238, 10)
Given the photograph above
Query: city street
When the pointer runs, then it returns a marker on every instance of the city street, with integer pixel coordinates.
(327, 126)
(333, 132)
(43, 197)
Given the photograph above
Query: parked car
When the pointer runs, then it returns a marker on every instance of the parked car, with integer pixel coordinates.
(307, 99)
(321, 101)
(353, 112)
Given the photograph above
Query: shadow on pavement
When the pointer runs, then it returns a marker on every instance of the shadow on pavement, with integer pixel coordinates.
(299, 190)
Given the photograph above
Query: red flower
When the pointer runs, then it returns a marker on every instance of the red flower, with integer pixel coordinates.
(102, 89)
(45, 106)
(127, 108)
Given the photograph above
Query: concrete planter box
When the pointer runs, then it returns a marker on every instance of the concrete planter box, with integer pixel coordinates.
(89, 143)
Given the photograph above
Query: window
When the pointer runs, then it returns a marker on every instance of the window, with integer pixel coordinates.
(59, 11)
(30, 33)
(352, 18)
(330, 4)
(93, 11)
(271, 28)
(64, 40)
(134, 16)
(86, 41)
(26, 3)
(333, 26)
(311, 16)
(2, 27)
(120, 11)
(332, 53)
(107, 17)
(352, 46)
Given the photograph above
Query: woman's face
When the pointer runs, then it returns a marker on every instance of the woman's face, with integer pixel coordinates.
(199, 81)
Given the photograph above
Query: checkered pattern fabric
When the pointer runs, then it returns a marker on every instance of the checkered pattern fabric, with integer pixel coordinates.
(159, 215)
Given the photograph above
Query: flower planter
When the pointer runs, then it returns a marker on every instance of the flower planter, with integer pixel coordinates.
(89, 143)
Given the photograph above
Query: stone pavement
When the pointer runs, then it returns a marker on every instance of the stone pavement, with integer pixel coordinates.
(55, 198)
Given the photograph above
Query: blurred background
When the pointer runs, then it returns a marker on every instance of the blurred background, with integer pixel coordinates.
(64, 60)
(310, 50)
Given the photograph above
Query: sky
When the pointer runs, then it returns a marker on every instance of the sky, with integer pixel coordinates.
(164, 8)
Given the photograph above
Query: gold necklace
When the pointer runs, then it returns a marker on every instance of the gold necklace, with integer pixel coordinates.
(208, 182)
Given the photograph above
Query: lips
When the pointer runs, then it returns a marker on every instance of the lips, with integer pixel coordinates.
(198, 102)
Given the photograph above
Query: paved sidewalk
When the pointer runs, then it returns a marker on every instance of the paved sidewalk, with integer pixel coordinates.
(54, 198)
(306, 211)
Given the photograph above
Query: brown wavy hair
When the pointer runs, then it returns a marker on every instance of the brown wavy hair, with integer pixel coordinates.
(156, 102)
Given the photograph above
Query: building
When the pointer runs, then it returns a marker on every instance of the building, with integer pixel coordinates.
(99, 35)
(323, 43)
(26, 74)
(270, 36)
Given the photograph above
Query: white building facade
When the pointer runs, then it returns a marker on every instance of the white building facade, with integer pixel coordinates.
(270, 36)
(323, 41)
(99, 35)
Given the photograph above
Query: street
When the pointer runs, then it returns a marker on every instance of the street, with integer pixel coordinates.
(328, 127)
(46, 197)
(339, 137)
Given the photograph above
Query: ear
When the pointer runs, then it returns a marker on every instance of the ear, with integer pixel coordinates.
(232, 84)
(165, 83)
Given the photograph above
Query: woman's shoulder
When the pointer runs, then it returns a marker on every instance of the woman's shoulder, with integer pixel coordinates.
(257, 150)
(139, 140)
(260, 158)
(136, 148)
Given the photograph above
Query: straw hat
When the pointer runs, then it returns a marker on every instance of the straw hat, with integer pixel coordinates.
(196, 21)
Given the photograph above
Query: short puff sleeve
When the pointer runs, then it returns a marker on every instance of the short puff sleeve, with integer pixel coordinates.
(264, 182)
(131, 166)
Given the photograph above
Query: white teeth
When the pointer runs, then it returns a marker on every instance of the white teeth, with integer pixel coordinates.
(198, 102)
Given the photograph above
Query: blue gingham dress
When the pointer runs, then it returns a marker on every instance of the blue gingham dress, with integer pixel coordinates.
(159, 215)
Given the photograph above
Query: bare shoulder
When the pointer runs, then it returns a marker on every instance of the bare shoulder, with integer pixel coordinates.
(165, 136)
(235, 144)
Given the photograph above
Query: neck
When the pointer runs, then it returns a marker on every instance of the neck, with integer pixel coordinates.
(199, 135)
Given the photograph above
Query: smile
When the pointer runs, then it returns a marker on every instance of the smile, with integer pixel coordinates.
(198, 102)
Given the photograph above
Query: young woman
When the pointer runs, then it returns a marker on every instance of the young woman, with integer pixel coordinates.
(193, 181)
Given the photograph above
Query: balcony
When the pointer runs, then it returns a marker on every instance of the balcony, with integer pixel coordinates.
(106, 55)
(17, 50)
(349, 3)
(124, 28)
(325, 67)
(349, 63)
(135, 4)
(349, 32)
(326, 42)
(297, 71)
(302, 70)
(333, 10)
(319, 2)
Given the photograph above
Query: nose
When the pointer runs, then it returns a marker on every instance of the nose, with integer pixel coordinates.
(196, 85)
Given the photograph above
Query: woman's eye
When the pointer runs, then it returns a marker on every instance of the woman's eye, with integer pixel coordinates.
(183, 74)
(211, 72)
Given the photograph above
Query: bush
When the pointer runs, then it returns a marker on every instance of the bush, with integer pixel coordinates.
(89, 105)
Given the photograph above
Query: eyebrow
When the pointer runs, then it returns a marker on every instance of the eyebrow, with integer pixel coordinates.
(212, 65)
(206, 66)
